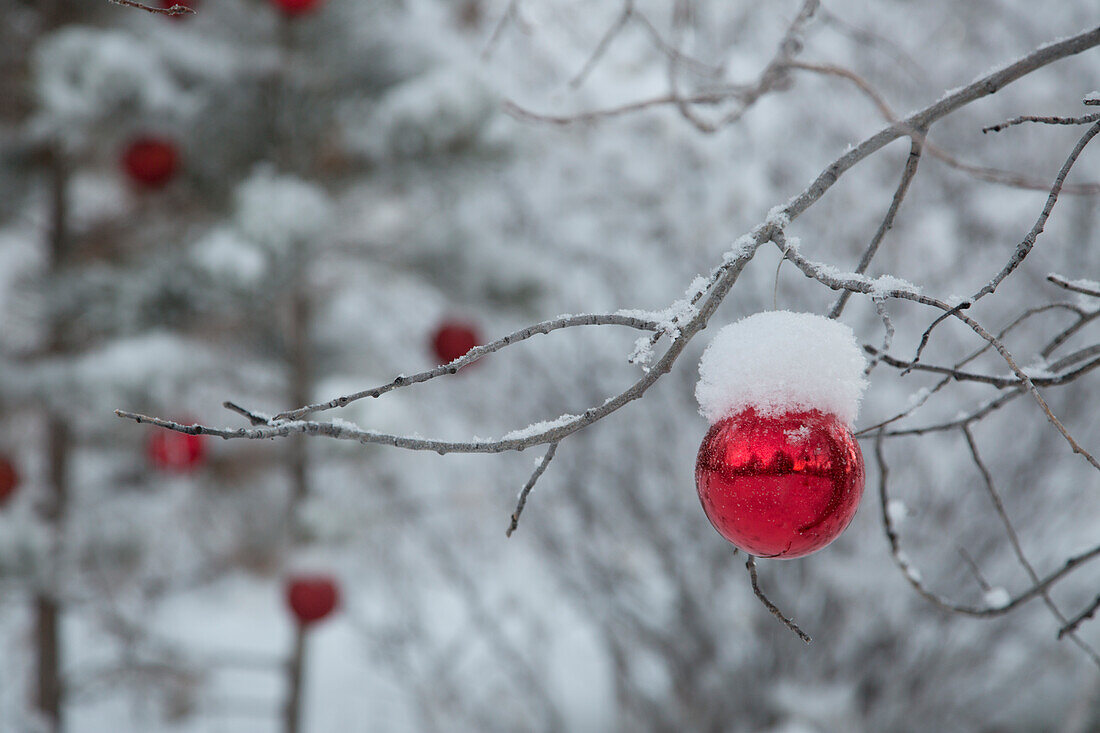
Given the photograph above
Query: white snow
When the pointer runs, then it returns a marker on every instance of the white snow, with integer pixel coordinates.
(669, 319)
(442, 110)
(82, 74)
(1084, 283)
(779, 361)
(223, 253)
(278, 211)
(539, 427)
(896, 511)
(997, 597)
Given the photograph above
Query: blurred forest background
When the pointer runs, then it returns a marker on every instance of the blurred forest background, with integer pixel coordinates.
(276, 201)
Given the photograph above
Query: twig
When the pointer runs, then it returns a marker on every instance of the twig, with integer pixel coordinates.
(604, 44)
(1024, 247)
(253, 417)
(176, 9)
(1076, 287)
(998, 382)
(1028, 242)
(1017, 548)
(522, 502)
(522, 113)
(992, 175)
(914, 576)
(907, 175)
(510, 13)
(888, 335)
(750, 563)
(472, 356)
(1086, 119)
(773, 75)
(1072, 625)
(974, 570)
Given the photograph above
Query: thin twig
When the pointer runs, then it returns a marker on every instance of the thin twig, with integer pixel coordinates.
(750, 563)
(522, 502)
(604, 44)
(1075, 622)
(1086, 119)
(253, 417)
(914, 577)
(1017, 548)
(1075, 286)
(176, 9)
(907, 175)
(472, 356)
(1024, 247)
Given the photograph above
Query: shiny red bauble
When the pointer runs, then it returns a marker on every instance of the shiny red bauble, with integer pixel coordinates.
(453, 339)
(151, 162)
(176, 452)
(296, 7)
(782, 485)
(311, 597)
(9, 480)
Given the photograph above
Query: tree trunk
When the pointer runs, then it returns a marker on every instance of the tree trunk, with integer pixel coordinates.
(293, 711)
(47, 608)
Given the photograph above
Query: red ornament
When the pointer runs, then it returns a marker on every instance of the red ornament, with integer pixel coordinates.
(150, 161)
(292, 8)
(176, 452)
(9, 480)
(311, 597)
(779, 485)
(453, 339)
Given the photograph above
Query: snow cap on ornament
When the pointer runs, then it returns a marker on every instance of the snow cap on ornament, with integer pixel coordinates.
(779, 473)
(778, 362)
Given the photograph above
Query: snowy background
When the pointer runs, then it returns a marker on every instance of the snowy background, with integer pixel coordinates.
(352, 178)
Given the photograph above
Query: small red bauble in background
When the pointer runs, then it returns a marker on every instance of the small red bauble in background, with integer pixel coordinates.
(178, 452)
(296, 7)
(9, 480)
(453, 339)
(311, 597)
(779, 485)
(151, 161)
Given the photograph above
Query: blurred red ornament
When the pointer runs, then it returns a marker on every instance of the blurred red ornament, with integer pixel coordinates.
(453, 339)
(780, 485)
(311, 597)
(296, 7)
(9, 480)
(150, 161)
(178, 452)
(166, 4)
